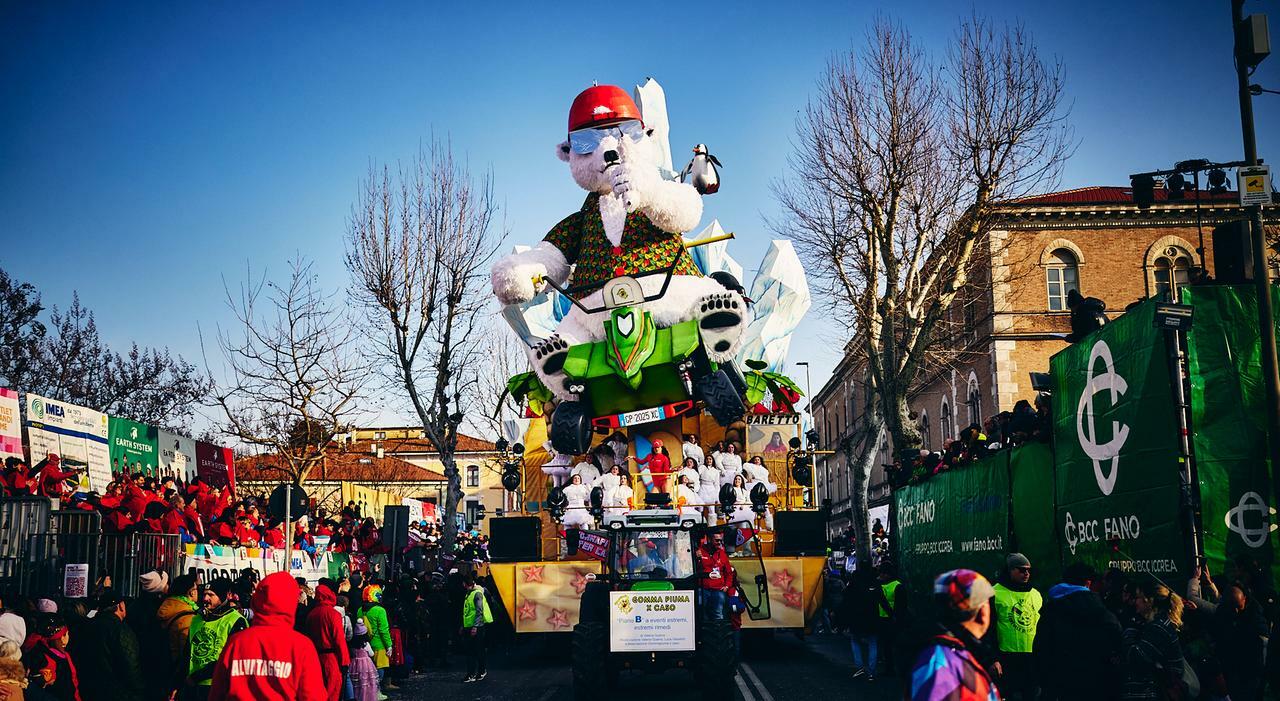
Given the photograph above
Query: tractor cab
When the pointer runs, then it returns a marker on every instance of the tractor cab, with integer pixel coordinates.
(648, 611)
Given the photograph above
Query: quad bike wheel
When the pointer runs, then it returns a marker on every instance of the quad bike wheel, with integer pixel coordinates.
(717, 660)
(722, 399)
(590, 659)
(571, 429)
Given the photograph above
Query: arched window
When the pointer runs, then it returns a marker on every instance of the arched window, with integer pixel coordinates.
(974, 402)
(1062, 275)
(1171, 269)
(924, 429)
(946, 423)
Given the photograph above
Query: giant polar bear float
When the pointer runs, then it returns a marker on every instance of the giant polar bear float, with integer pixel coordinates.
(631, 222)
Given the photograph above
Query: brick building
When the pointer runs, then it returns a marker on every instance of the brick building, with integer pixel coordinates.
(1012, 316)
(397, 461)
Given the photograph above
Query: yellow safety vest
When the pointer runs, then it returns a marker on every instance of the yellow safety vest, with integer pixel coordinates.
(469, 608)
(888, 588)
(1017, 614)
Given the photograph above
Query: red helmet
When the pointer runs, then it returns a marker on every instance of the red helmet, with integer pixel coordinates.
(601, 105)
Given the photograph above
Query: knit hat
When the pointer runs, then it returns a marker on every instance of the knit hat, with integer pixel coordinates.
(13, 628)
(220, 586)
(46, 606)
(962, 592)
(1016, 560)
(155, 582)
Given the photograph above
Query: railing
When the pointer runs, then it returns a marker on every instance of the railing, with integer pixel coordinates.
(37, 544)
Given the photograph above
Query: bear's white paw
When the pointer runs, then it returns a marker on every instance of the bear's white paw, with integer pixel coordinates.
(632, 183)
(548, 361)
(722, 321)
(513, 281)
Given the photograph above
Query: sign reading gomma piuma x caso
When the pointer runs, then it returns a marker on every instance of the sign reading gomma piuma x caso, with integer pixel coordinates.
(1116, 450)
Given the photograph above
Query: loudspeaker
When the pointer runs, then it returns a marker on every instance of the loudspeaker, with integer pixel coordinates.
(1232, 253)
(799, 533)
(395, 526)
(515, 539)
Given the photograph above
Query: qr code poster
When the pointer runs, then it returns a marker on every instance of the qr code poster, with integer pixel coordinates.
(75, 581)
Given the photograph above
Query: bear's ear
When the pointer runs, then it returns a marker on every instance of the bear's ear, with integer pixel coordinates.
(562, 151)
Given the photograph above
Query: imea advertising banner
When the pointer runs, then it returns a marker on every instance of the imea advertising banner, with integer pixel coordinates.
(133, 446)
(1228, 413)
(959, 518)
(1116, 442)
(74, 433)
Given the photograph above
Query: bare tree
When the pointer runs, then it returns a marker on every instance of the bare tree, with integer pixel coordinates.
(294, 376)
(900, 160)
(418, 248)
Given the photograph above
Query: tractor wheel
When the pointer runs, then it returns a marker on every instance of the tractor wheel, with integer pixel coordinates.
(721, 397)
(571, 429)
(735, 376)
(717, 660)
(590, 660)
(594, 607)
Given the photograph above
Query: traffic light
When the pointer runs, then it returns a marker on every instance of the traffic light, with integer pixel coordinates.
(1144, 190)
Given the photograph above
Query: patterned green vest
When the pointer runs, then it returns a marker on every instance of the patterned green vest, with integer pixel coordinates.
(581, 238)
(207, 640)
(1017, 613)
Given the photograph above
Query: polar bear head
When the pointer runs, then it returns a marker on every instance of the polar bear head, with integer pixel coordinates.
(606, 129)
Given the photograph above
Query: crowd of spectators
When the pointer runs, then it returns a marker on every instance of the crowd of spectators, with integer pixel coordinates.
(243, 638)
(1008, 429)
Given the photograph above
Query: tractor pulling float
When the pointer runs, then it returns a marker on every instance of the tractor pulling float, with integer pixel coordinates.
(638, 337)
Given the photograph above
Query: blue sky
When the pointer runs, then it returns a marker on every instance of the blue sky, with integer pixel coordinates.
(147, 151)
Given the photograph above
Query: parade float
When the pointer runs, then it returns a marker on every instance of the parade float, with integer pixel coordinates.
(645, 347)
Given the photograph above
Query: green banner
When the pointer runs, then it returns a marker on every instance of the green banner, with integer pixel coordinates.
(959, 518)
(1031, 469)
(133, 446)
(1116, 443)
(1228, 412)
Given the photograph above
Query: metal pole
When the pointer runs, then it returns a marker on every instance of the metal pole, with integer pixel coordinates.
(288, 520)
(1266, 318)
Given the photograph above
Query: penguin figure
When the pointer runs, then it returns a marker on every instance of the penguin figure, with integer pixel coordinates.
(706, 179)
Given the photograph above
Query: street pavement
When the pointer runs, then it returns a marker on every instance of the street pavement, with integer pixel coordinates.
(782, 667)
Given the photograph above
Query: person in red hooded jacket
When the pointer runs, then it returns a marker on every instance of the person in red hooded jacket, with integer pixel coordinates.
(324, 627)
(270, 661)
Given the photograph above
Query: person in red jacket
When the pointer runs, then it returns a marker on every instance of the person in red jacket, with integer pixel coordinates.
(270, 661)
(659, 462)
(717, 575)
(52, 476)
(324, 627)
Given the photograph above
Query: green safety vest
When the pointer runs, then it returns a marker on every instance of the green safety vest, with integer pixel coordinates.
(207, 639)
(888, 588)
(1017, 614)
(469, 608)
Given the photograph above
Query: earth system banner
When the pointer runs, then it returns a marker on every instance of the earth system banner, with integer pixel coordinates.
(133, 446)
(177, 456)
(1116, 444)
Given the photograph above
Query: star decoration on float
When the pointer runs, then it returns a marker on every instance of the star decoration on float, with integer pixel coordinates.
(782, 579)
(528, 611)
(558, 619)
(581, 580)
(793, 598)
(532, 573)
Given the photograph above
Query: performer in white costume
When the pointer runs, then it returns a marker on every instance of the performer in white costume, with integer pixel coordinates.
(577, 516)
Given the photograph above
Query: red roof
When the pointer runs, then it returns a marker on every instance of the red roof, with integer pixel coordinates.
(466, 444)
(1112, 194)
(339, 466)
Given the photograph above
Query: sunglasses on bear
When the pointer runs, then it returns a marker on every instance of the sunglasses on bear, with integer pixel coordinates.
(584, 141)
